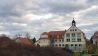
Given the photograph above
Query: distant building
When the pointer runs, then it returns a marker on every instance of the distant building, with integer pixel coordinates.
(24, 41)
(94, 38)
(73, 38)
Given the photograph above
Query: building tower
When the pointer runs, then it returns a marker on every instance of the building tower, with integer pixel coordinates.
(73, 22)
(74, 38)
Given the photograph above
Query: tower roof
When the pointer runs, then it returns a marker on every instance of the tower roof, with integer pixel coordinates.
(73, 22)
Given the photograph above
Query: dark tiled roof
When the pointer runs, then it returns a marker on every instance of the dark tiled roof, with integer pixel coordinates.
(54, 34)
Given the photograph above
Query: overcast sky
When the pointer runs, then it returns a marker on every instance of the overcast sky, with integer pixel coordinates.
(37, 16)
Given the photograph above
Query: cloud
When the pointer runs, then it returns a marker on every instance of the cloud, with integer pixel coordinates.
(35, 17)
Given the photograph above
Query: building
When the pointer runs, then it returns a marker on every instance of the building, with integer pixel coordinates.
(24, 41)
(73, 38)
(94, 38)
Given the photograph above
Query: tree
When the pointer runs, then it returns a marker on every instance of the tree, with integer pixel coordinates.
(28, 35)
(34, 40)
(97, 51)
(91, 40)
(89, 47)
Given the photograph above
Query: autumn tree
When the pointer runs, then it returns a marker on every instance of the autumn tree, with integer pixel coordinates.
(89, 47)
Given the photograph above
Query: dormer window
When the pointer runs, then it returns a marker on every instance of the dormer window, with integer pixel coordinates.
(75, 29)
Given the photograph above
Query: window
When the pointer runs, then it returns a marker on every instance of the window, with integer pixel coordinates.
(79, 40)
(60, 40)
(73, 39)
(67, 35)
(70, 30)
(55, 40)
(53, 45)
(80, 45)
(59, 44)
(75, 44)
(78, 34)
(71, 44)
(62, 44)
(68, 40)
(75, 29)
(56, 45)
(73, 34)
(67, 45)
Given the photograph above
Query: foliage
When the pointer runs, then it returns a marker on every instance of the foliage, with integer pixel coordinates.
(91, 48)
(76, 54)
(9, 48)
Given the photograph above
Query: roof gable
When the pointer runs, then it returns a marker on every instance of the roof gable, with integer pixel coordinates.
(73, 29)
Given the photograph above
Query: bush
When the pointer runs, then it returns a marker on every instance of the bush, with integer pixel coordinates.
(9, 48)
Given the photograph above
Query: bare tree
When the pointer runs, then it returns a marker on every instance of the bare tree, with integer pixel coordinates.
(28, 35)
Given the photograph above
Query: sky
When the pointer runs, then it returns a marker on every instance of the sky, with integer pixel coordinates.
(37, 16)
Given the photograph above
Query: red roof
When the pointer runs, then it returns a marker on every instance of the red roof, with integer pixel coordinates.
(56, 34)
(24, 41)
(95, 35)
(45, 33)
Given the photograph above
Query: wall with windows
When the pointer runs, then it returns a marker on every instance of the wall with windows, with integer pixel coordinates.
(58, 43)
(74, 38)
(43, 42)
